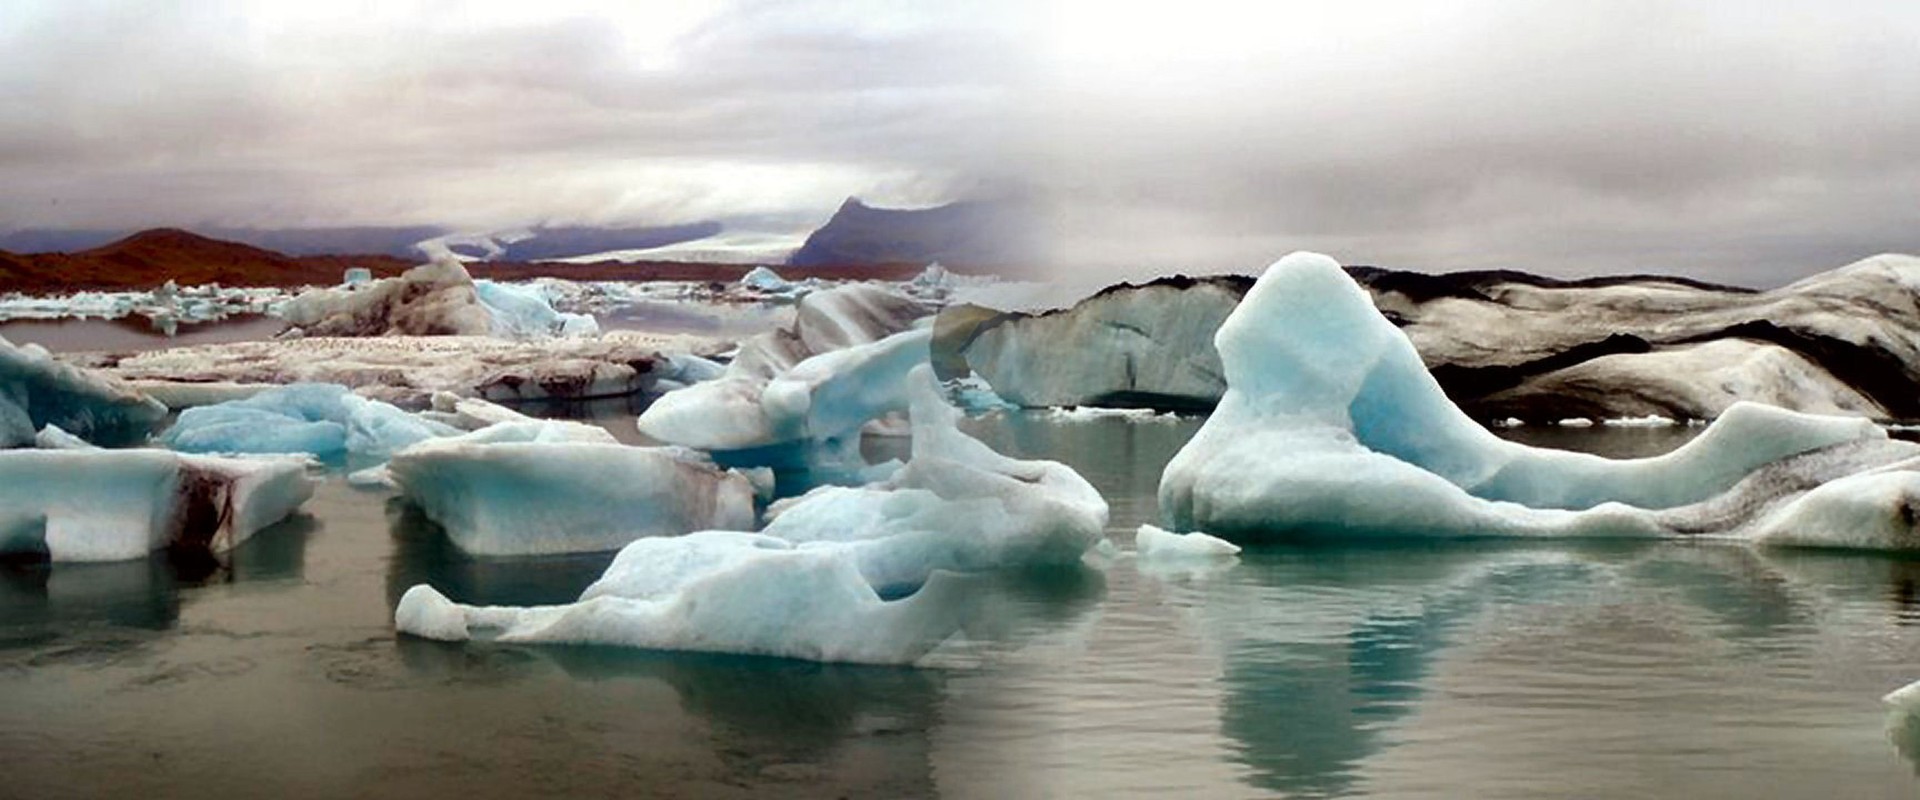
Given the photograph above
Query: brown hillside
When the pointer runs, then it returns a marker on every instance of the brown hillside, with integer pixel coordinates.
(150, 258)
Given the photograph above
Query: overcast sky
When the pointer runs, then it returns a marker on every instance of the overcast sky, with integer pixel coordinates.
(1752, 141)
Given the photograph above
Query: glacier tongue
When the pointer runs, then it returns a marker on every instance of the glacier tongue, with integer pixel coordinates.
(1331, 425)
(841, 574)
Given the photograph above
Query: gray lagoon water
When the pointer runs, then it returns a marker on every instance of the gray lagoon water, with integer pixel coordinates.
(1474, 669)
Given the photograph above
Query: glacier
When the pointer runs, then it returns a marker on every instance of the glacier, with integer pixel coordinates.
(531, 489)
(111, 505)
(36, 390)
(1332, 426)
(867, 574)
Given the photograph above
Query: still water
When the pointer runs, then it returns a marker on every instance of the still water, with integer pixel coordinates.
(1425, 670)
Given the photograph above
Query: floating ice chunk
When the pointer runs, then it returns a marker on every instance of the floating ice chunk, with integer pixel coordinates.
(1331, 422)
(36, 391)
(356, 276)
(495, 497)
(525, 312)
(1092, 413)
(52, 437)
(956, 505)
(839, 575)
(1155, 542)
(1649, 421)
(808, 418)
(110, 505)
(323, 420)
(436, 298)
(762, 279)
(716, 592)
(1575, 422)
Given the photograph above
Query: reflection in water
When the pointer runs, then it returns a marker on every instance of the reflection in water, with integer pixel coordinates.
(1311, 700)
(42, 601)
(1307, 712)
(422, 553)
(760, 712)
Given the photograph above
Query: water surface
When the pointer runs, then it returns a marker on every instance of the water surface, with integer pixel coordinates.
(1421, 670)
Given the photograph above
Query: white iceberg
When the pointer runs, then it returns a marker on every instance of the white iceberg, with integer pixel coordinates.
(1155, 542)
(840, 574)
(36, 391)
(715, 592)
(1331, 425)
(111, 505)
(526, 489)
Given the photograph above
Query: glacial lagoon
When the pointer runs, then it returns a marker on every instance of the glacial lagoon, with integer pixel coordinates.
(1422, 669)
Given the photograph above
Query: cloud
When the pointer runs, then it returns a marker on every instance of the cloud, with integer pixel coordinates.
(1750, 142)
(245, 114)
(1744, 142)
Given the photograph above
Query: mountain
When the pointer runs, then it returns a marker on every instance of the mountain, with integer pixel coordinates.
(147, 259)
(395, 241)
(992, 234)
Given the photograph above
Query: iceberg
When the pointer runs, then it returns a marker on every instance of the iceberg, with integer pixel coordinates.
(956, 505)
(111, 505)
(434, 299)
(1155, 542)
(796, 399)
(766, 281)
(1144, 346)
(526, 312)
(37, 391)
(1331, 425)
(528, 489)
(326, 421)
(840, 574)
(715, 592)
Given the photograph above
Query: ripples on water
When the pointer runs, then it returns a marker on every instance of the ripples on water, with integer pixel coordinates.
(1422, 670)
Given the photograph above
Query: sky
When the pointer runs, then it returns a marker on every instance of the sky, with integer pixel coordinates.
(1753, 142)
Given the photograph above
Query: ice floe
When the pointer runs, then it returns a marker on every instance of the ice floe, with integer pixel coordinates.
(840, 574)
(1332, 426)
(110, 505)
(36, 390)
